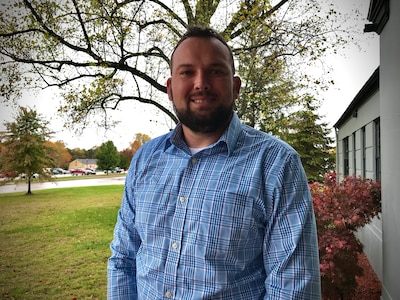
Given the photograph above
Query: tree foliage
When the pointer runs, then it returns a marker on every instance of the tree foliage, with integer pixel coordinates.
(24, 149)
(305, 131)
(128, 153)
(107, 156)
(266, 93)
(340, 209)
(100, 53)
(77, 153)
(60, 154)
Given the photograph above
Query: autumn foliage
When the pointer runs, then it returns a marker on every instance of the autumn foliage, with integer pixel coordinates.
(59, 153)
(340, 209)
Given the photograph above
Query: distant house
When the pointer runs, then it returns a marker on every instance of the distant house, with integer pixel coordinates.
(83, 163)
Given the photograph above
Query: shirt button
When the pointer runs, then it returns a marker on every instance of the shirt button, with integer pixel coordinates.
(194, 160)
(182, 199)
(175, 246)
(168, 294)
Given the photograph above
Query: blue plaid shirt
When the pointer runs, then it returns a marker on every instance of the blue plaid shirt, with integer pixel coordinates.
(233, 221)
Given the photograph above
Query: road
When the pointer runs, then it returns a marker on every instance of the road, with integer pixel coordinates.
(23, 187)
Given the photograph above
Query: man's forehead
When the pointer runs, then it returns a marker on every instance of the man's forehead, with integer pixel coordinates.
(212, 42)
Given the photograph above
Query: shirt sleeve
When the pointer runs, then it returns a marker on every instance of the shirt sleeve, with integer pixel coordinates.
(290, 244)
(126, 242)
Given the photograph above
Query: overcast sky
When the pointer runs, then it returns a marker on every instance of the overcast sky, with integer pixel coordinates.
(351, 70)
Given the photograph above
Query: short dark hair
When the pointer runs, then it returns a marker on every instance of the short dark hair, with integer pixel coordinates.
(203, 32)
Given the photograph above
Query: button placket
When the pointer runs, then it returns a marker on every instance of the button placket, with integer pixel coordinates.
(178, 223)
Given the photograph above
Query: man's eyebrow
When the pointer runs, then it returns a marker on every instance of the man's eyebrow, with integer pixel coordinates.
(219, 64)
(184, 66)
(189, 65)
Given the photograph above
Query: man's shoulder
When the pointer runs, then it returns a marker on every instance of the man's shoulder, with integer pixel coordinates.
(155, 143)
(265, 139)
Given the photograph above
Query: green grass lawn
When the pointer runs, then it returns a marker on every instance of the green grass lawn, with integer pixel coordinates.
(54, 244)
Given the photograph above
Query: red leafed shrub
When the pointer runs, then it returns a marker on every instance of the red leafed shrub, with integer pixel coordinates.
(340, 209)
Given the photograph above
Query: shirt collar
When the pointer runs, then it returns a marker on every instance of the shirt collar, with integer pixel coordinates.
(231, 134)
(229, 137)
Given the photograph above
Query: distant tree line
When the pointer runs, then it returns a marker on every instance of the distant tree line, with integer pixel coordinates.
(25, 148)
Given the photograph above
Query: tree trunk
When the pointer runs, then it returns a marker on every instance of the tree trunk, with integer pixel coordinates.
(29, 192)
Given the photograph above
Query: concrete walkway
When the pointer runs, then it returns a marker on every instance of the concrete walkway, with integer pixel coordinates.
(23, 186)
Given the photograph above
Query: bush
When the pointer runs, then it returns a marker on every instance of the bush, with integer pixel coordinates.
(340, 209)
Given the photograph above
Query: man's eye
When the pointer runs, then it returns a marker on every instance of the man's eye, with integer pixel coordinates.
(186, 72)
(217, 72)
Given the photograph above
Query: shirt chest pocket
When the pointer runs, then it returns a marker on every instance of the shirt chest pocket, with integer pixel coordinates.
(226, 221)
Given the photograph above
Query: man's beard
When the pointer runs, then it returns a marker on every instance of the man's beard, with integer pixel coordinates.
(210, 123)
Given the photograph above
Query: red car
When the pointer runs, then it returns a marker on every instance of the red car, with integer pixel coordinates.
(78, 171)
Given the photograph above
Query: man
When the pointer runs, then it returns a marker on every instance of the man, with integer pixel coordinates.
(214, 209)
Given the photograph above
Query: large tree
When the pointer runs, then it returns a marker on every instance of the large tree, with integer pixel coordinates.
(107, 156)
(61, 156)
(100, 53)
(24, 149)
(310, 136)
(267, 94)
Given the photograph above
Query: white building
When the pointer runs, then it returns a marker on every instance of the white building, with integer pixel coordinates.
(358, 137)
(368, 142)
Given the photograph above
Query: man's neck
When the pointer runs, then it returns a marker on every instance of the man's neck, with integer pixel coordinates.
(200, 140)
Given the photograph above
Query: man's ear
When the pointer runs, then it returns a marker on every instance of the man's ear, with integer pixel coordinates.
(169, 89)
(237, 83)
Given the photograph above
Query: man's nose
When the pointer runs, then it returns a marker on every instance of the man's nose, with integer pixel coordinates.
(202, 81)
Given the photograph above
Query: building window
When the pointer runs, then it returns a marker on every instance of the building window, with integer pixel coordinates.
(363, 152)
(354, 153)
(346, 170)
(377, 146)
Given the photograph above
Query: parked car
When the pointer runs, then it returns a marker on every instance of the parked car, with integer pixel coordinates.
(78, 171)
(118, 170)
(24, 176)
(90, 171)
(115, 170)
(8, 174)
(57, 171)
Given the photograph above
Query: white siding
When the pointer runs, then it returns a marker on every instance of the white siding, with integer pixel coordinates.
(367, 113)
(390, 145)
